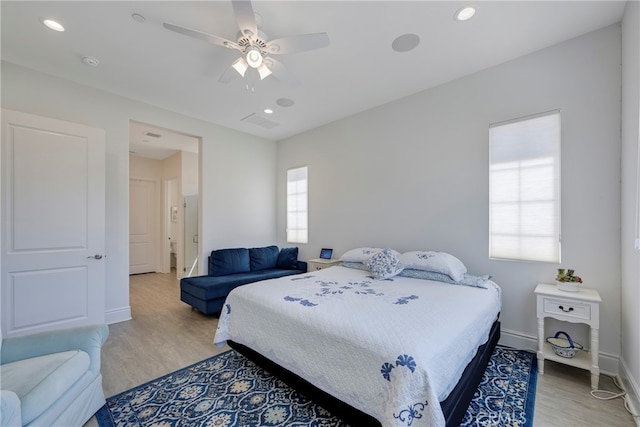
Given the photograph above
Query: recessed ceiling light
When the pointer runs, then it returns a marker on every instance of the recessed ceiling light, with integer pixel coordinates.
(53, 25)
(268, 111)
(405, 42)
(465, 13)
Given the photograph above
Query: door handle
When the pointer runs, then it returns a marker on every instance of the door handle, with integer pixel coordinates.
(96, 256)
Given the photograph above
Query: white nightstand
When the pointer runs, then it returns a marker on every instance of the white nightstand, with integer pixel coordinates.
(319, 263)
(575, 307)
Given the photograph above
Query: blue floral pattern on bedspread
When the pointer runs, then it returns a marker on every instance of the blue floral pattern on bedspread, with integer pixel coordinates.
(335, 288)
(412, 411)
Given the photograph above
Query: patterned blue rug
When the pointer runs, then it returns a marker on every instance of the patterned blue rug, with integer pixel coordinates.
(230, 390)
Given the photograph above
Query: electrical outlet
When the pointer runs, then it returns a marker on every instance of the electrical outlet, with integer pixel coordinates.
(636, 245)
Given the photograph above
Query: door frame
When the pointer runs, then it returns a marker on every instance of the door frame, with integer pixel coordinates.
(165, 221)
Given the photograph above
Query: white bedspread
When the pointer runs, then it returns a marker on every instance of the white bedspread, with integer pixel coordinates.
(391, 348)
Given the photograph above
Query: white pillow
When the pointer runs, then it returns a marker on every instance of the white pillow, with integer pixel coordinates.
(355, 265)
(440, 262)
(384, 264)
(359, 254)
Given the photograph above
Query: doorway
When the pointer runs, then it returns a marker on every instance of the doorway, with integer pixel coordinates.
(171, 160)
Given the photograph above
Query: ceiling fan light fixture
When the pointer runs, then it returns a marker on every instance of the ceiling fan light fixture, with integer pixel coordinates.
(264, 71)
(254, 57)
(241, 66)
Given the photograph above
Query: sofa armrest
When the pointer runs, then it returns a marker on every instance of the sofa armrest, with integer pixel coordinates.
(86, 338)
(302, 266)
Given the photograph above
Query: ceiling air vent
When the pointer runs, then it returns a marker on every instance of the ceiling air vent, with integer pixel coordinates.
(153, 135)
(255, 119)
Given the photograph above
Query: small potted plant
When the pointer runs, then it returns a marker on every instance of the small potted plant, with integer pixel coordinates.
(568, 281)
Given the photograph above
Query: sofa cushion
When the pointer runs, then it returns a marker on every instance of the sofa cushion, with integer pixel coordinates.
(274, 273)
(41, 381)
(288, 258)
(229, 261)
(208, 287)
(263, 258)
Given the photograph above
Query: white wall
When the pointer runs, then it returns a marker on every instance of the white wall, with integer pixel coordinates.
(630, 328)
(190, 173)
(413, 174)
(237, 185)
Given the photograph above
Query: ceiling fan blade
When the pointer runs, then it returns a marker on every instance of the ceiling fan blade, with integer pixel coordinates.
(281, 73)
(219, 41)
(243, 11)
(299, 43)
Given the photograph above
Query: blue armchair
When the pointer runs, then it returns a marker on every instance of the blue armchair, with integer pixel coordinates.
(52, 378)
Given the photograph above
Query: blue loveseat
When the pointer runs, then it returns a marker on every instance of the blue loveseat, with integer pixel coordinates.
(230, 268)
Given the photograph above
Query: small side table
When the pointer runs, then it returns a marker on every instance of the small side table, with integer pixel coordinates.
(320, 263)
(575, 307)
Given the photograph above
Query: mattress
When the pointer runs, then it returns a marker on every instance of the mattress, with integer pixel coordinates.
(391, 348)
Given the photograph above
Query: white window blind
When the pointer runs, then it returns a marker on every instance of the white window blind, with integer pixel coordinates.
(524, 199)
(297, 214)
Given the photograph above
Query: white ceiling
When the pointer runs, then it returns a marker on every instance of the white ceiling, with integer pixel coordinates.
(358, 70)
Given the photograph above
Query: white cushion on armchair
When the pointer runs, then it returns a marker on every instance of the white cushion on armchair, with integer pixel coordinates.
(40, 381)
(52, 378)
(9, 409)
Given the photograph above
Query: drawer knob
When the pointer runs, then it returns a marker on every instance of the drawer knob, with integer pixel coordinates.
(569, 310)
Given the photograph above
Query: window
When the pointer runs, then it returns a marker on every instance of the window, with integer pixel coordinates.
(524, 189)
(297, 224)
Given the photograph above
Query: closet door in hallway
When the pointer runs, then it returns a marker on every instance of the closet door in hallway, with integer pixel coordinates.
(144, 225)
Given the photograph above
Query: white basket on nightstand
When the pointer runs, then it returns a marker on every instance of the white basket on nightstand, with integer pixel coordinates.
(564, 347)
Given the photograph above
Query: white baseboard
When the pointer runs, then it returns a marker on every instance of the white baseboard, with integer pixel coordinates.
(518, 340)
(118, 315)
(630, 385)
(609, 363)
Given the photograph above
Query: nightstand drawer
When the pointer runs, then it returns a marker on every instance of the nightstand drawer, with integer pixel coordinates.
(566, 308)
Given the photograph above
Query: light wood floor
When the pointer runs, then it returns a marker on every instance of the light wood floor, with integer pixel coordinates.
(166, 335)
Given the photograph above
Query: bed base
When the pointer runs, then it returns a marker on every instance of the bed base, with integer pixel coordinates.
(454, 406)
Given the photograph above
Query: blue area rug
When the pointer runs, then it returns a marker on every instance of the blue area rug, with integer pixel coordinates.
(230, 390)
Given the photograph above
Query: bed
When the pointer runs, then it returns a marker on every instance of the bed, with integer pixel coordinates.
(393, 351)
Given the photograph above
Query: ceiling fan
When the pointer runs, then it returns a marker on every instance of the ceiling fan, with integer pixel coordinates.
(255, 46)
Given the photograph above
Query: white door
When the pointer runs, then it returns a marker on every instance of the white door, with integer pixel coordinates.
(53, 224)
(144, 225)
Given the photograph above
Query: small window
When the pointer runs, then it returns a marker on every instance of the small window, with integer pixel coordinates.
(297, 214)
(524, 189)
